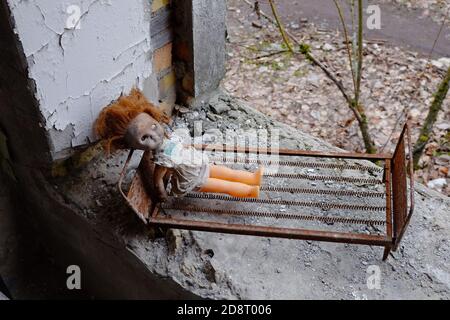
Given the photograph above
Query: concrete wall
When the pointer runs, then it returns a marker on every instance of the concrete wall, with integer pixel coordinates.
(81, 54)
(209, 17)
(199, 46)
(54, 80)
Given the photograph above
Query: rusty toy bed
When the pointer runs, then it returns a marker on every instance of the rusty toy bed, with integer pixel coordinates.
(306, 195)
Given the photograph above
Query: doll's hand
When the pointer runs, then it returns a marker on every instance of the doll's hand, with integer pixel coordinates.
(159, 174)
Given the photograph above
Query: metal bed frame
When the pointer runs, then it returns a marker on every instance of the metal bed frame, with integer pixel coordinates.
(397, 168)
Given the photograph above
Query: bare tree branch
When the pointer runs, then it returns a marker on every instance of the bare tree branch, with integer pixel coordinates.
(347, 41)
(404, 112)
(356, 108)
(427, 127)
(360, 52)
(280, 26)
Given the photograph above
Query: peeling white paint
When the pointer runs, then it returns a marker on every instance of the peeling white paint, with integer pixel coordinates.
(79, 71)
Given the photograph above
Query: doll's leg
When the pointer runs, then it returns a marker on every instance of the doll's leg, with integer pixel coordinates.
(224, 173)
(235, 189)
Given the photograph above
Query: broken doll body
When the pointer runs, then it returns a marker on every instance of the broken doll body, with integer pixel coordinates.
(133, 123)
(188, 169)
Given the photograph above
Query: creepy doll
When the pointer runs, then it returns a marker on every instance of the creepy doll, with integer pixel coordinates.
(134, 123)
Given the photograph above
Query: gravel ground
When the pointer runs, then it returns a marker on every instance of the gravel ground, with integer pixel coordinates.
(293, 91)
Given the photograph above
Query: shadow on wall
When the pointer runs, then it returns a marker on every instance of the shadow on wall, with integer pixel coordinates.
(27, 271)
(4, 293)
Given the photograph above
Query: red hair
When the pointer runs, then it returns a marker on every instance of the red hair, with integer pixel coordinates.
(112, 123)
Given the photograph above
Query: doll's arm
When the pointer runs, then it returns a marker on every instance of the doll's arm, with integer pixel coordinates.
(158, 180)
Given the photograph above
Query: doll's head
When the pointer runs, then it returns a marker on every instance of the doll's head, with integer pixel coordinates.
(144, 133)
(131, 123)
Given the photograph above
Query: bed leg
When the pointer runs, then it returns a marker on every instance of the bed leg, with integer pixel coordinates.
(387, 250)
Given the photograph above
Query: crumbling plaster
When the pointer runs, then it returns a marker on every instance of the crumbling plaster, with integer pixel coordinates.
(78, 70)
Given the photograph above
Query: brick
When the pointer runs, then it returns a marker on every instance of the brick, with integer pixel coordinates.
(162, 38)
(158, 4)
(162, 58)
(167, 107)
(167, 85)
(188, 83)
(160, 21)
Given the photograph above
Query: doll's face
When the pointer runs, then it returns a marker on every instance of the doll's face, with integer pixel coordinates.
(144, 133)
